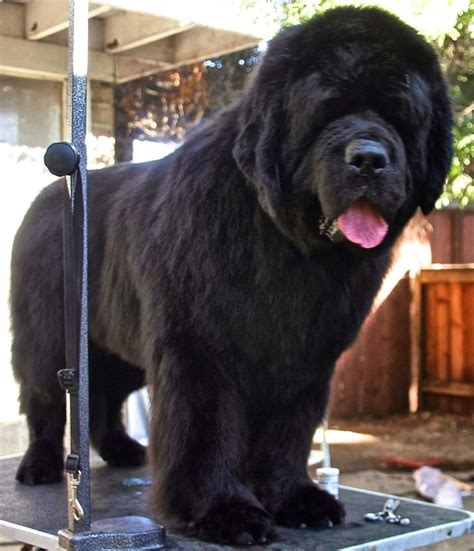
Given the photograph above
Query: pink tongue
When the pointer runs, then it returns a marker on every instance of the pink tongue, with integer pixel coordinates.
(363, 225)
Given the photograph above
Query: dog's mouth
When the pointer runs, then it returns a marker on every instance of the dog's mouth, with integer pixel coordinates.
(360, 224)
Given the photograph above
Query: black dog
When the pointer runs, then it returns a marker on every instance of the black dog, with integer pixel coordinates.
(236, 271)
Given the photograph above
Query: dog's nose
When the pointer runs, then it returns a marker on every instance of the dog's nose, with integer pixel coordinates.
(366, 156)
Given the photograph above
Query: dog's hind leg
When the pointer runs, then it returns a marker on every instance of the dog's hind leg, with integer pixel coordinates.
(37, 322)
(43, 461)
(37, 355)
(36, 359)
(111, 381)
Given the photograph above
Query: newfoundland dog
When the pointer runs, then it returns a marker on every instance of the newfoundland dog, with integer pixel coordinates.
(236, 271)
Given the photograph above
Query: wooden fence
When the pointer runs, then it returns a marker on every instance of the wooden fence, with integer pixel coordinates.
(393, 357)
(373, 376)
(443, 370)
(452, 239)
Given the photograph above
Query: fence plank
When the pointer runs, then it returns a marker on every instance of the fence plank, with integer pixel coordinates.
(468, 317)
(449, 389)
(456, 336)
(442, 332)
(467, 241)
(451, 239)
(429, 348)
(442, 237)
(447, 339)
(445, 273)
(442, 317)
(414, 391)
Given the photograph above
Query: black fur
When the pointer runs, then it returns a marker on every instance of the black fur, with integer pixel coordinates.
(207, 269)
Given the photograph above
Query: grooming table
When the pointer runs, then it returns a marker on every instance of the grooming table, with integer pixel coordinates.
(35, 514)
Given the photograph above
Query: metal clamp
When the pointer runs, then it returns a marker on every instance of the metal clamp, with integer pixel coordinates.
(73, 471)
(69, 379)
(74, 481)
(388, 514)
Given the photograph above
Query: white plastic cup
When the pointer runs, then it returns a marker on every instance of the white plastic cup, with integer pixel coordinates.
(328, 480)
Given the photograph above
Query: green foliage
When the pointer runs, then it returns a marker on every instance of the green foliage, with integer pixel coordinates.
(296, 11)
(167, 105)
(456, 51)
(457, 56)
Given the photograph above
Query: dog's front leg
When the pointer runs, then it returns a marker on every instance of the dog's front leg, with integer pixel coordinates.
(278, 463)
(197, 447)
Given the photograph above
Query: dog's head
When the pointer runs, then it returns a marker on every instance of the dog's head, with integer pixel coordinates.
(345, 129)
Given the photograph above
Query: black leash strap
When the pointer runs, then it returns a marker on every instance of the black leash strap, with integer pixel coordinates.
(74, 379)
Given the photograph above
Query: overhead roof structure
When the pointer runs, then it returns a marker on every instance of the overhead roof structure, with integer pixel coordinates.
(128, 39)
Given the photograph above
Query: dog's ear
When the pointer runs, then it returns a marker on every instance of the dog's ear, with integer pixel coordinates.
(257, 150)
(439, 149)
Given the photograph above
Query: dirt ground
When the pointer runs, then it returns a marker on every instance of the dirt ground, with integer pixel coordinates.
(370, 453)
(449, 439)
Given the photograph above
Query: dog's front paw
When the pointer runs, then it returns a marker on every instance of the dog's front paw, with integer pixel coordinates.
(235, 521)
(308, 506)
(42, 463)
(117, 449)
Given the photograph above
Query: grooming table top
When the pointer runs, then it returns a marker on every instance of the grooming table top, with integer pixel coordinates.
(35, 514)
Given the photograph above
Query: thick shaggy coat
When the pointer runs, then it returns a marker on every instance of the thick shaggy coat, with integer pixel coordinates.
(235, 272)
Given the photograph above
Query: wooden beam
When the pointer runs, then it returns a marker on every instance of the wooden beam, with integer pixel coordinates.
(96, 35)
(23, 58)
(192, 46)
(159, 52)
(176, 51)
(203, 43)
(228, 16)
(456, 330)
(46, 17)
(12, 20)
(414, 395)
(137, 6)
(465, 390)
(130, 68)
(125, 31)
(446, 273)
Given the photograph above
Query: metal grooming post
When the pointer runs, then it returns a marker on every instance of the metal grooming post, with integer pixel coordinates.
(70, 160)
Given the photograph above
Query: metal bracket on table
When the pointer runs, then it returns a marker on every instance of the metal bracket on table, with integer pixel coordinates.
(132, 533)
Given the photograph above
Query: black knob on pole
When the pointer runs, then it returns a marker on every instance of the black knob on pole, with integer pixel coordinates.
(61, 158)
